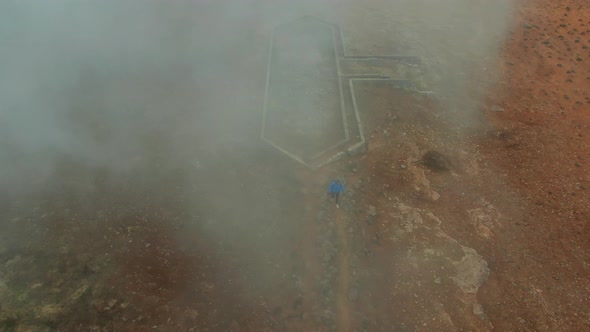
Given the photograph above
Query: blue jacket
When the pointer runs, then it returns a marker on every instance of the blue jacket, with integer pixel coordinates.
(336, 187)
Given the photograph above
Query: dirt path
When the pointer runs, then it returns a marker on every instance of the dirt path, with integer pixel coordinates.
(342, 300)
(311, 267)
(326, 252)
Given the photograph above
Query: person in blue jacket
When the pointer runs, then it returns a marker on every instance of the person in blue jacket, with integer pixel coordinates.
(336, 187)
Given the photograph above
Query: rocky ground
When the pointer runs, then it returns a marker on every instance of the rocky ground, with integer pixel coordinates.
(452, 220)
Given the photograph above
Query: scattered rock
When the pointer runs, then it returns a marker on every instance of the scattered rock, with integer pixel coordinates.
(371, 215)
(78, 293)
(478, 310)
(111, 304)
(496, 108)
(372, 211)
(49, 313)
(353, 294)
(13, 261)
(472, 271)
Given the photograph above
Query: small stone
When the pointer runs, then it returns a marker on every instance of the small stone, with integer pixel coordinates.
(13, 261)
(332, 269)
(477, 309)
(372, 211)
(49, 313)
(78, 293)
(496, 108)
(403, 166)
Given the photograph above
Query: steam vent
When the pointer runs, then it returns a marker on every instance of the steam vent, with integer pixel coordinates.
(310, 110)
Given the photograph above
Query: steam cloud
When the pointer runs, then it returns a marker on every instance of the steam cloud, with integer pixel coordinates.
(144, 89)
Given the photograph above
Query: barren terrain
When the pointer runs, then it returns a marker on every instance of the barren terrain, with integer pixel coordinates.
(469, 211)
